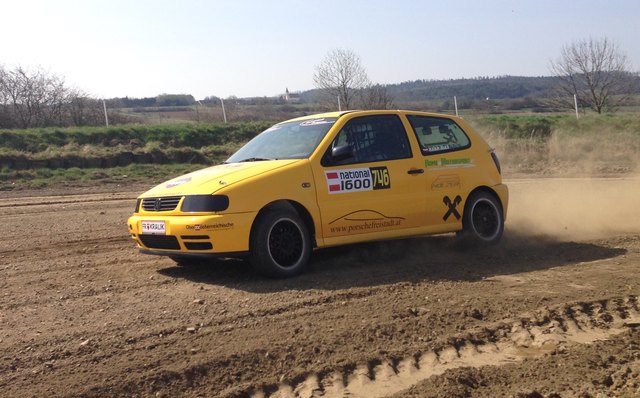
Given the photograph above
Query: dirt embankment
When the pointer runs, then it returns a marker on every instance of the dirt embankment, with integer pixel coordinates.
(552, 311)
(106, 160)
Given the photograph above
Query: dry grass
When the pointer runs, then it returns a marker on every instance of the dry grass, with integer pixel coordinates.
(593, 145)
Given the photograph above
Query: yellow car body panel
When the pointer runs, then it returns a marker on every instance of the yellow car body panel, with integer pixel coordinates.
(211, 179)
(413, 194)
(223, 230)
(251, 183)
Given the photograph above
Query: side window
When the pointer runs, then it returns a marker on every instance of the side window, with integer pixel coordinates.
(369, 139)
(438, 135)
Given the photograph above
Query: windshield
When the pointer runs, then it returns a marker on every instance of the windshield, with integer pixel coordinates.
(291, 140)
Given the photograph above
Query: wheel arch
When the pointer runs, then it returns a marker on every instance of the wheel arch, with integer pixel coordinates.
(290, 205)
(488, 190)
(470, 235)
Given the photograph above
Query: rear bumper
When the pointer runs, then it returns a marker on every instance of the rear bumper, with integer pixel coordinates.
(503, 193)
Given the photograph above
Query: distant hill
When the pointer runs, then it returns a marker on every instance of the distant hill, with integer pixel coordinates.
(503, 87)
(514, 92)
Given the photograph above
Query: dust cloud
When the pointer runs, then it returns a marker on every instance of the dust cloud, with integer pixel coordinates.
(574, 208)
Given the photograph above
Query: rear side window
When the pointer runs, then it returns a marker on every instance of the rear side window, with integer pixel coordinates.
(438, 135)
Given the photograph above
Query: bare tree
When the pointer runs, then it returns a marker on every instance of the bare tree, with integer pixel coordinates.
(341, 75)
(51, 99)
(82, 110)
(5, 107)
(596, 71)
(33, 98)
(36, 98)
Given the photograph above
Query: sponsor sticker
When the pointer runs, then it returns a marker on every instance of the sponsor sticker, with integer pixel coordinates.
(314, 122)
(177, 182)
(446, 163)
(358, 180)
(438, 148)
(204, 227)
(452, 207)
(362, 221)
(446, 182)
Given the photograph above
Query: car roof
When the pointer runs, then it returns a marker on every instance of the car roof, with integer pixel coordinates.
(338, 114)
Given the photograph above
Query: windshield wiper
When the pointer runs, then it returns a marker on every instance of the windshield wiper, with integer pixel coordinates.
(254, 160)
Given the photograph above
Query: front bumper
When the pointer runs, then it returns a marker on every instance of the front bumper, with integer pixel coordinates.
(187, 234)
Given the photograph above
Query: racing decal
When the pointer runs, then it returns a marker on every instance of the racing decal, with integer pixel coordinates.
(439, 147)
(306, 123)
(204, 227)
(179, 181)
(231, 165)
(364, 221)
(314, 122)
(446, 163)
(446, 181)
(358, 180)
(451, 205)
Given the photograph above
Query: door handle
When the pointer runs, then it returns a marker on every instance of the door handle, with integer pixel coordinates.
(415, 171)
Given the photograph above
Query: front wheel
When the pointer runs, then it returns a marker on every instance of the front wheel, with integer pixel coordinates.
(280, 245)
(483, 220)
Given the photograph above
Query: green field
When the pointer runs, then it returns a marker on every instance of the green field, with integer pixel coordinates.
(554, 144)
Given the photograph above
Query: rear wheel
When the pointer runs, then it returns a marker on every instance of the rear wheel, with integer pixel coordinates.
(483, 221)
(280, 245)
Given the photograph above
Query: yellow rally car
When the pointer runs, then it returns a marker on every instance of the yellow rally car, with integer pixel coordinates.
(326, 180)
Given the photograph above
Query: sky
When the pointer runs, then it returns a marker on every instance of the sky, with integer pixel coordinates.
(253, 48)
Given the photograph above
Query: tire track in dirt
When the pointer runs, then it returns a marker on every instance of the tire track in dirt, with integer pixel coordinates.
(509, 342)
(65, 199)
(368, 314)
(65, 350)
(103, 244)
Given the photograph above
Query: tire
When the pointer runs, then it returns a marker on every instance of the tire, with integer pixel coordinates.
(280, 245)
(482, 221)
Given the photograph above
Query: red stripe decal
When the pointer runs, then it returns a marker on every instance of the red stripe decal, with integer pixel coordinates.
(333, 188)
(332, 175)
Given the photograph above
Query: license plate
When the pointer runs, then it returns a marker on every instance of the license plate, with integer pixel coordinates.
(153, 227)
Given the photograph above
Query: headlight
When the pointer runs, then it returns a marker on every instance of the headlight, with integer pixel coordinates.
(205, 203)
(137, 209)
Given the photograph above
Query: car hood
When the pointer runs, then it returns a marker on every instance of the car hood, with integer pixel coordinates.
(212, 179)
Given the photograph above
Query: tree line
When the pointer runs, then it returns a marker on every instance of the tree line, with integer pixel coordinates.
(593, 73)
(35, 98)
(161, 100)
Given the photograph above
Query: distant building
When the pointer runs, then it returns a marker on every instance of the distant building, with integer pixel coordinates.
(291, 98)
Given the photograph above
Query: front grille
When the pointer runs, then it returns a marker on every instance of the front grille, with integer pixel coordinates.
(161, 204)
(167, 242)
(198, 245)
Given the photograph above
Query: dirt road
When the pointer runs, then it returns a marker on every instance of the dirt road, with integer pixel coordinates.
(553, 311)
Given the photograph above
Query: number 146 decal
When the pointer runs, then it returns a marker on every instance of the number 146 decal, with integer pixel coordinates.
(358, 180)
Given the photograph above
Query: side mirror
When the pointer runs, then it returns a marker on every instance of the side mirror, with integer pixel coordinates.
(341, 153)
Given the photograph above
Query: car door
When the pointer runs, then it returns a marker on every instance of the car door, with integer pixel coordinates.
(447, 162)
(368, 181)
